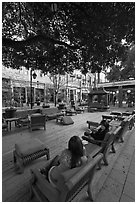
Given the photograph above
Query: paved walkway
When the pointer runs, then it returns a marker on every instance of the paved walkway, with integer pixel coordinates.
(120, 183)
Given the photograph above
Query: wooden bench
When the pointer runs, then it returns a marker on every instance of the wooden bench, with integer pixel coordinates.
(97, 107)
(107, 144)
(52, 113)
(108, 117)
(127, 113)
(92, 109)
(131, 116)
(79, 109)
(28, 151)
(23, 116)
(71, 112)
(116, 114)
(92, 124)
(126, 124)
(71, 182)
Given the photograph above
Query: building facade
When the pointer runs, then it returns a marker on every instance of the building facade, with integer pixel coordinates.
(17, 86)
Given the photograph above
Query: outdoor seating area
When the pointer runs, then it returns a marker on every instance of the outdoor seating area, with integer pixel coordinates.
(30, 155)
(68, 101)
(32, 118)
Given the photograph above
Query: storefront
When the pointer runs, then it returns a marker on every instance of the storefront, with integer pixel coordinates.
(17, 92)
(19, 95)
(6, 92)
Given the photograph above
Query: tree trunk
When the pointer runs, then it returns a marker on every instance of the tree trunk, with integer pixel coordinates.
(98, 77)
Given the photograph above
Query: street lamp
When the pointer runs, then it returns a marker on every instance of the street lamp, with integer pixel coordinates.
(34, 75)
(128, 91)
(53, 7)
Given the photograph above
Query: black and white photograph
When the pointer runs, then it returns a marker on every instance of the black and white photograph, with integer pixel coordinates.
(68, 101)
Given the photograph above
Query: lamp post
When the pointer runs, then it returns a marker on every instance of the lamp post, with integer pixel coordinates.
(53, 7)
(34, 75)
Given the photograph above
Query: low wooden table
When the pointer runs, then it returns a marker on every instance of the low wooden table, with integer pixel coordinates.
(28, 151)
(10, 120)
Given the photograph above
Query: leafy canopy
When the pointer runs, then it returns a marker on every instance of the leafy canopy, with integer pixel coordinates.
(78, 35)
(125, 70)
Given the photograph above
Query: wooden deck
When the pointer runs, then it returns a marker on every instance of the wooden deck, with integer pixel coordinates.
(15, 187)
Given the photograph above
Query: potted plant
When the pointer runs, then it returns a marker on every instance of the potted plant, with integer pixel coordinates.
(10, 112)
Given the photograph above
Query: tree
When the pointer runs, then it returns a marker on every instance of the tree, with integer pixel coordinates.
(129, 64)
(115, 73)
(60, 82)
(35, 36)
(125, 69)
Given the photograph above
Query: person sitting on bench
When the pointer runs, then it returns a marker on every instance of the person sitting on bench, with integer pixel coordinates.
(73, 156)
(100, 132)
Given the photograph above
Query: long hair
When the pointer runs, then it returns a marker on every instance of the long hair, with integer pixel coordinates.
(76, 148)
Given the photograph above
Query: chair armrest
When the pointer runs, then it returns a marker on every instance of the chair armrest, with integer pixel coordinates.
(45, 187)
(85, 172)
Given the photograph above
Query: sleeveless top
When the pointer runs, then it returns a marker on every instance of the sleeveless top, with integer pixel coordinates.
(65, 164)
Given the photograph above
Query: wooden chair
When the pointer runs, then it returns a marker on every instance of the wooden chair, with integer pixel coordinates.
(107, 144)
(37, 120)
(71, 182)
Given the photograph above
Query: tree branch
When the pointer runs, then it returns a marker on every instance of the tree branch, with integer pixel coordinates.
(33, 40)
(21, 20)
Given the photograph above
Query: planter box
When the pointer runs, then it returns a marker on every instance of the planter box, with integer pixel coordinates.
(10, 113)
